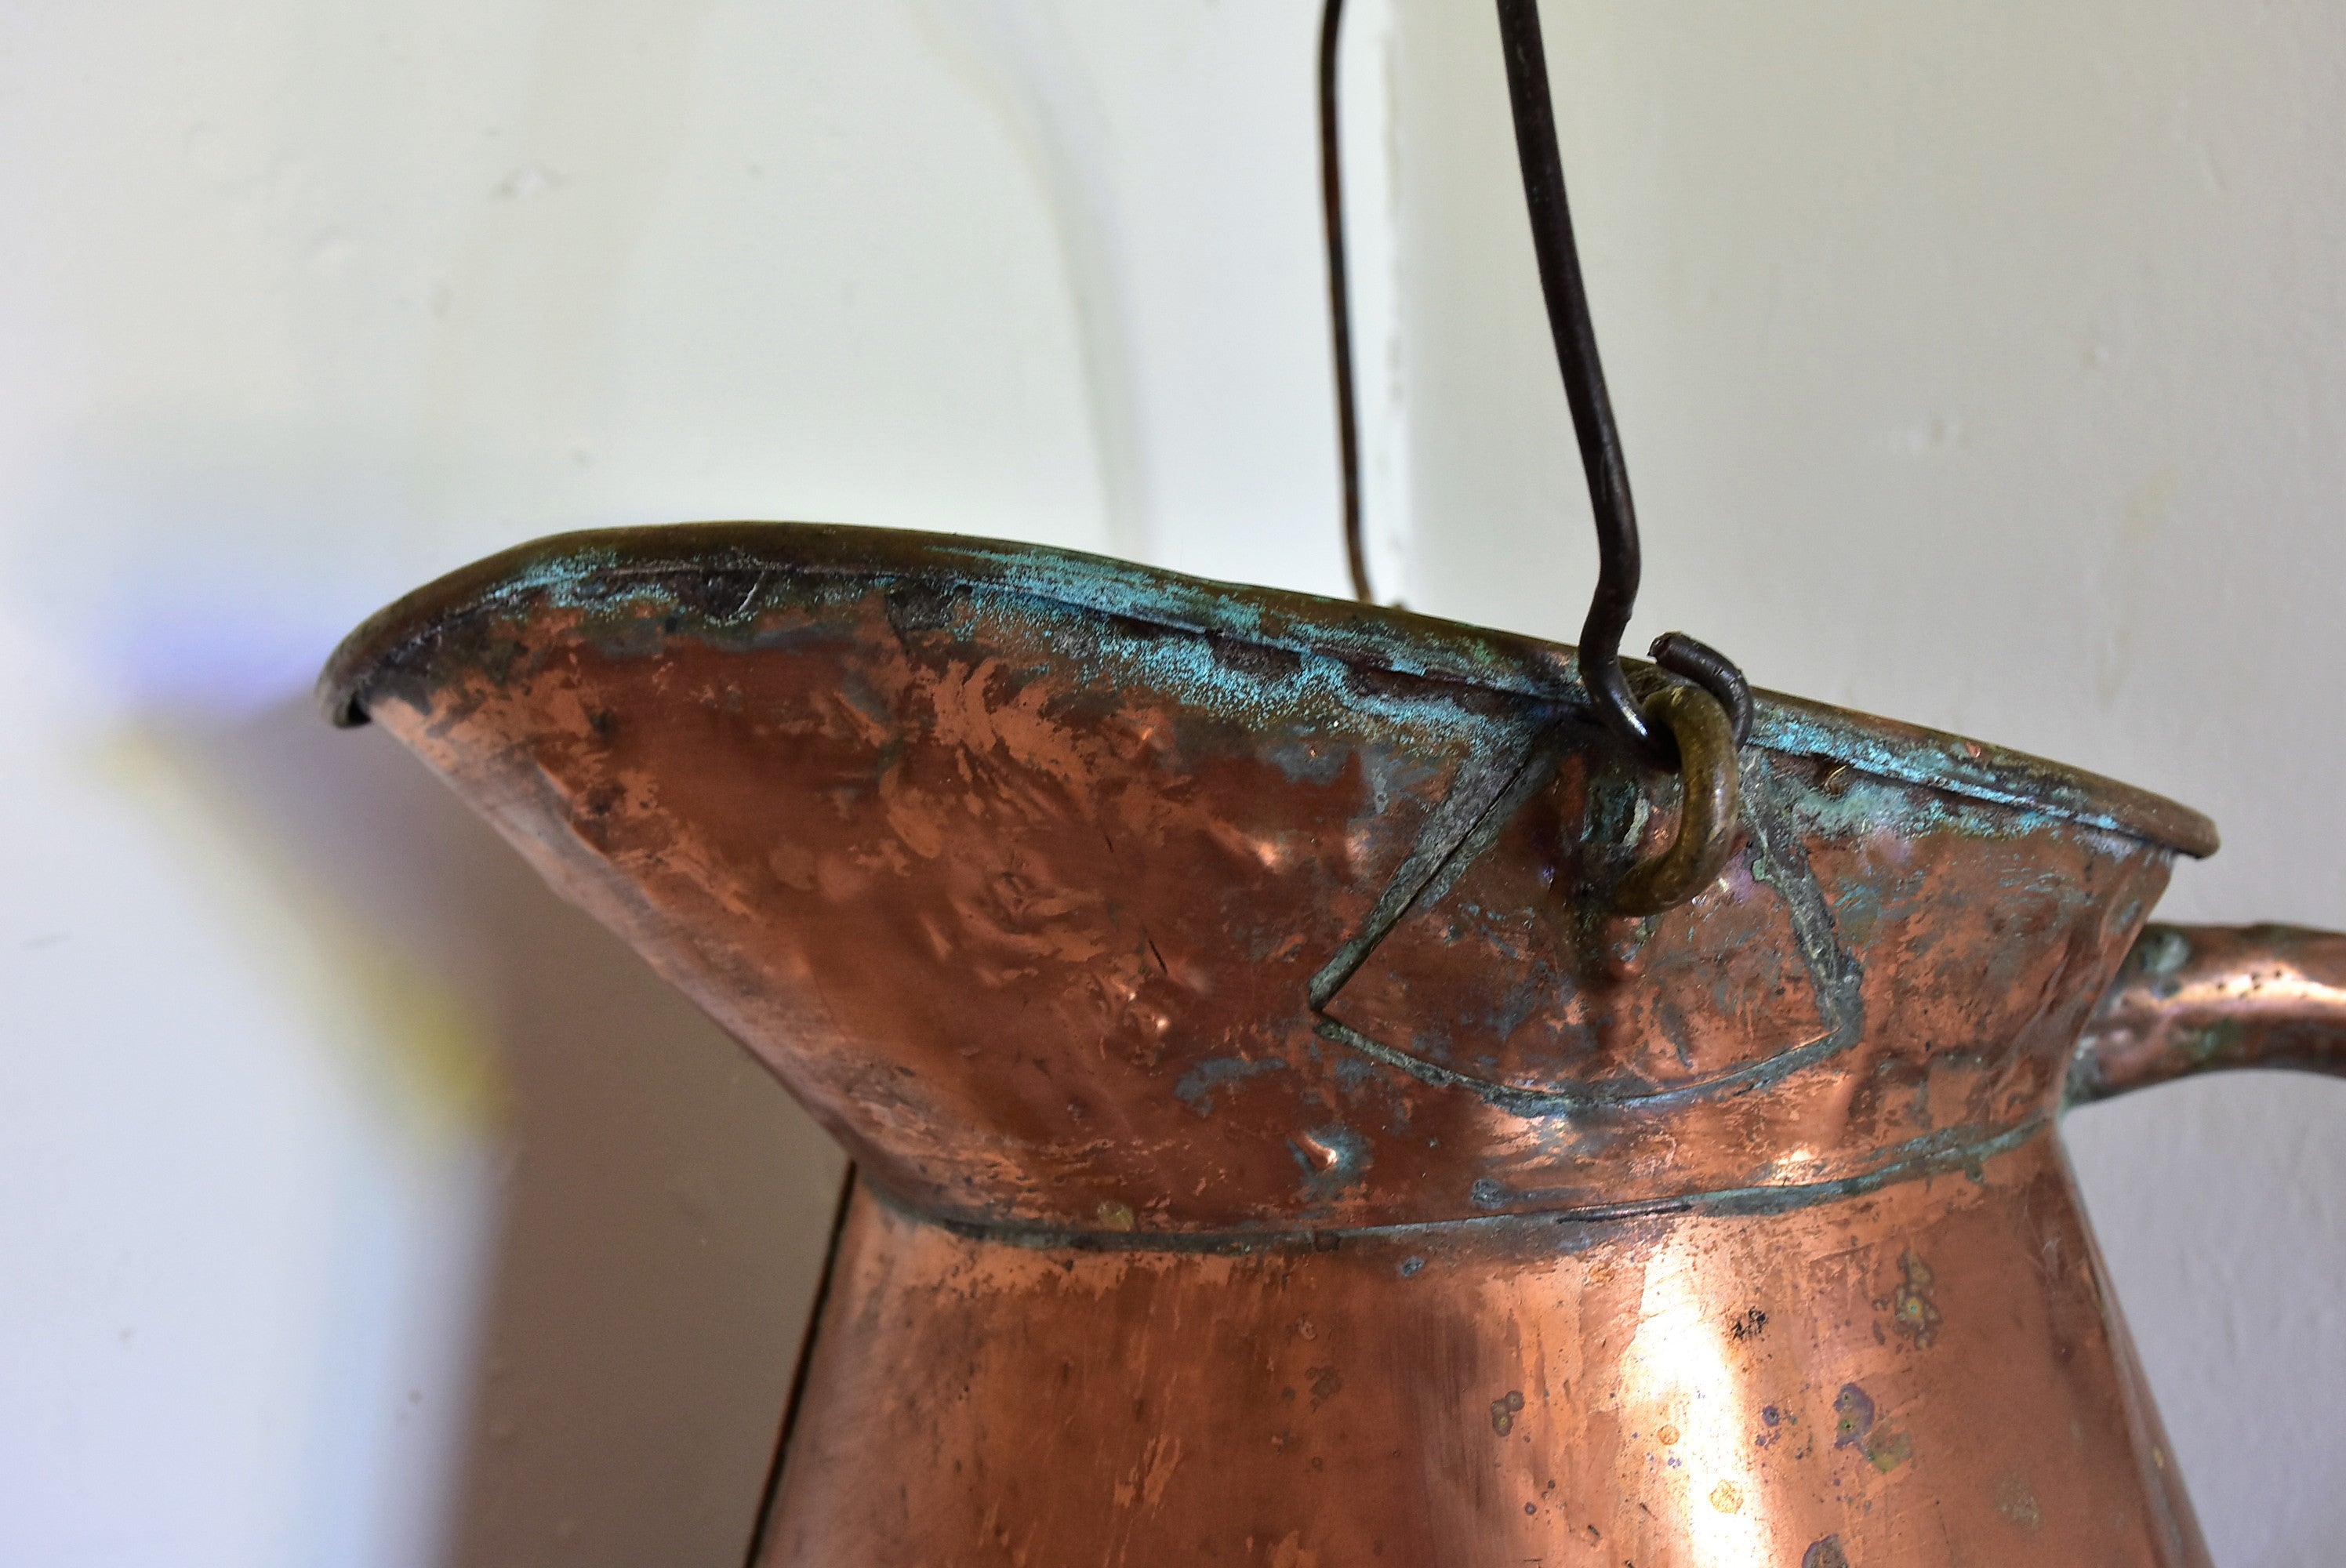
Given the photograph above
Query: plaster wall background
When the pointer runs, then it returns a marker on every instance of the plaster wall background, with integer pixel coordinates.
(360, 1204)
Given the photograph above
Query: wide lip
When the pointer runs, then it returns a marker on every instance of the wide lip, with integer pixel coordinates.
(1373, 635)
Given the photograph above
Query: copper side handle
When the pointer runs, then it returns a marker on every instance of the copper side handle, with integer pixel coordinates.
(2199, 998)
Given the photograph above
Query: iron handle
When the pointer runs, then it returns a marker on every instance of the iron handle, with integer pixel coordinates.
(2198, 999)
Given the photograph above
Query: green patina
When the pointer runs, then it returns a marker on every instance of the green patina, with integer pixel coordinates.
(719, 582)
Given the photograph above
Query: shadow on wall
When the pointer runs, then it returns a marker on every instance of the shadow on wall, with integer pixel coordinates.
(661, 1205)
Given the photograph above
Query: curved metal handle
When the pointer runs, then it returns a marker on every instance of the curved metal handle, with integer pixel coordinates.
(1689, 866)
(1705, 735)
(2198, 999)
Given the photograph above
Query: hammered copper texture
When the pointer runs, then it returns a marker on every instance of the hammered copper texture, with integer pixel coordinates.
(1276, 1151)
(1925, 1375)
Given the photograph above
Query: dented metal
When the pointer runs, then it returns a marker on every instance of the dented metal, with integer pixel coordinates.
(1274, 1143)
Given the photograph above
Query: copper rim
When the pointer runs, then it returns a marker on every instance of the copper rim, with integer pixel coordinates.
(598, 563)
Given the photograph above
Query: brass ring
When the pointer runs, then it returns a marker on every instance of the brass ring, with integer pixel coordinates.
(1711, 789)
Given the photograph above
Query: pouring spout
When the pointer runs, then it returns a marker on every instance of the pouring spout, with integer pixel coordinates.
(2199, 999)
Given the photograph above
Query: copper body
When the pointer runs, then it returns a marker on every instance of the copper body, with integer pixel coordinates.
(1272, 1147)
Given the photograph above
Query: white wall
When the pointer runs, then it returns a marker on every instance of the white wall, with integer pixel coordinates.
(360, 1204)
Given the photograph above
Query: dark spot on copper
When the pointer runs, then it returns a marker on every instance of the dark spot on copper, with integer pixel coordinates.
(1825, 1553)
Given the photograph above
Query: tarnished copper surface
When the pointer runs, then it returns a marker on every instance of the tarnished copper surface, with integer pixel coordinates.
(1074, 920)
(2198, 999)
(1924, 1375)
(1220, 994)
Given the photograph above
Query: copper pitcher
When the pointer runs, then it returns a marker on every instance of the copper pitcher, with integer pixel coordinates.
(1275, 1144)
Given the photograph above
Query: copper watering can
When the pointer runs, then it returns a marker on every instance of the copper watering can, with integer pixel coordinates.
(1326, 1087)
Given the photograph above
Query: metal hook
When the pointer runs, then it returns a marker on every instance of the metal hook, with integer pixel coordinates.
(1566, 293)
(1710, 786)
(1658, 730)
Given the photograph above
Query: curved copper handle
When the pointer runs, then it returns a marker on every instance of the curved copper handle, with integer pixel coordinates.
(2196, 999)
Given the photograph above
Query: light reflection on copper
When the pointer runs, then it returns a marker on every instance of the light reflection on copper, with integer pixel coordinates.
(1679, 1370)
